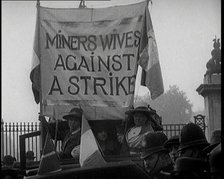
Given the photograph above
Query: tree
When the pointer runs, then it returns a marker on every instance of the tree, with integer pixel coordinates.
(173, 106)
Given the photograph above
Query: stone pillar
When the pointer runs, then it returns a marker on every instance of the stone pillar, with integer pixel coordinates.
(211, 91)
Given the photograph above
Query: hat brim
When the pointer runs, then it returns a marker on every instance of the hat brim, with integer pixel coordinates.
(132, 111)
(210, 148)
(169, 143)
(193, 143)
(152, 151)
(74, 116)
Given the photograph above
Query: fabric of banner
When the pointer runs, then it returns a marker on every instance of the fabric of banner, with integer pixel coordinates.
(90, 154)
(90, 57)
(35, 68)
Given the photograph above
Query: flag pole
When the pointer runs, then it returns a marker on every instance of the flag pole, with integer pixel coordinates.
(43, 131)
(39, 47)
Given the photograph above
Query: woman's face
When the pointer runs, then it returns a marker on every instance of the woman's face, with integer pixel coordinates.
(140, 118)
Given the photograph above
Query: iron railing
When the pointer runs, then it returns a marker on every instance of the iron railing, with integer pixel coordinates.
(10, 133)
(172, 129)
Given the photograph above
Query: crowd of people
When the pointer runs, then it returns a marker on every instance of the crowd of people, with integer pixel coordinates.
(188, 155)
(10, 162)
(10, 167)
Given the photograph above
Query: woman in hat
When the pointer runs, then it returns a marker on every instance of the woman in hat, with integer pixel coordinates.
(72, 139)
(144, 119)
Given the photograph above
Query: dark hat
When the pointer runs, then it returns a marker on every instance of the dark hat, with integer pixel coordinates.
(172, 141)
(153, 142)
(189, 164)
(30, 155)
(191, 136)
(74, 114)
(8, 160)
(214, 141)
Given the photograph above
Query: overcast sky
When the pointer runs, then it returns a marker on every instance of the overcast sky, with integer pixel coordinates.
(184, 31)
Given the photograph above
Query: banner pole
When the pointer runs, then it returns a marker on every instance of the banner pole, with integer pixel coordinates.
(39, 47)
(43, 131)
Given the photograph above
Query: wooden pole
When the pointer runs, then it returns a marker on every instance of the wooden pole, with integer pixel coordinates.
(43, 131)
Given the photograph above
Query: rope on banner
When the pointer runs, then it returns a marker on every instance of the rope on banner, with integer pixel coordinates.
(82, 4)
(38, 3)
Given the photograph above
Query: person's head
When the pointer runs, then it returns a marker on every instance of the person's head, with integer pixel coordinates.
(143, 115)
(74, 118)
(30, 156)
(102, 135)
(192, 141)
(215, 160)
(8, 161)
(140, 118)
(214, 141)
(156, 162)
(172, 145)
(155, 156)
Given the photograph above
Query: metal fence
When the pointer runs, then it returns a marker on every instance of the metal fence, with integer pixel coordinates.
(10, 133)
(172, 129)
